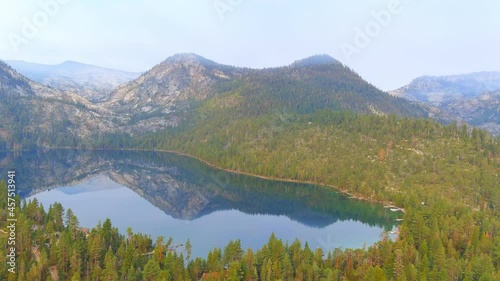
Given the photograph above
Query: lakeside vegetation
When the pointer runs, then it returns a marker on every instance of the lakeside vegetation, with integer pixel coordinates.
(52, 246)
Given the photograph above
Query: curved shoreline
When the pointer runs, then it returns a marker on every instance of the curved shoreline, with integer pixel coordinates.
(350, 195)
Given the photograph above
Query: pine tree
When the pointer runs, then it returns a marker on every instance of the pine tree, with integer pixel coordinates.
(188, 248)
(110, 271)
(151, 270)
(287, 268)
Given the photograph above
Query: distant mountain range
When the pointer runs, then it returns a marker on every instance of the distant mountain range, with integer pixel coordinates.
(438, 90)
(89, 81)
(468, 98)
(70, 102)
(74, 103)
(43, 115)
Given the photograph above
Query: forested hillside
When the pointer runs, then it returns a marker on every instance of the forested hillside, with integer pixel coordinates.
(445, 177)
(180, 90)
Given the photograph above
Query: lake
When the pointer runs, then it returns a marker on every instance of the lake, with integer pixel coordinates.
(176, 196)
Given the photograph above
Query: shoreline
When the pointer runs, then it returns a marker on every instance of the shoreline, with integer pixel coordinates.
(345, 192)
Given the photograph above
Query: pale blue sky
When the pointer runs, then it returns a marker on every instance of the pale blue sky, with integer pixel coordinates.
(421, 36)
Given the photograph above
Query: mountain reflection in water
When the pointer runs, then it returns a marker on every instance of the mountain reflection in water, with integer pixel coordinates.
(207, 205)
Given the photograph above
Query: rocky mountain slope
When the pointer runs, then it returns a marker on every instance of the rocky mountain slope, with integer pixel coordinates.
(482, 111)
(34, 113)
(469, 98)
(183, 90)
(438, 90)
(169, 93)
(89, 81)
(159, 97)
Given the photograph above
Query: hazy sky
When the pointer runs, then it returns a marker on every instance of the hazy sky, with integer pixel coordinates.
(388, 42)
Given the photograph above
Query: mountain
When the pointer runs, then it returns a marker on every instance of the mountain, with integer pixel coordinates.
(311, 84)
(186, 91)
(89, 81)
(438, 90)
(468, 98)
(482, 111)
(183, 85)
(316, 60)
(36, 114)
(157, 98)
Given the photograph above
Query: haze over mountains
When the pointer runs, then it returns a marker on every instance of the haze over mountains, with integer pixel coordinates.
(468, 98)
(42, 114)
(80, 101)
(438, 90)
(181, 88)
(91, 82)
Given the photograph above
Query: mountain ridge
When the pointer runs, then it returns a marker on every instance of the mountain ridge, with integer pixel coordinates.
(188, 90)
(182, 82)
(89, 81)
(439, 89)
(465, 98)
(322, 59)
(44, 115)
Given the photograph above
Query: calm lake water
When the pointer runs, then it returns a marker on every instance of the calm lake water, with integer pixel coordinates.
(179, 197)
